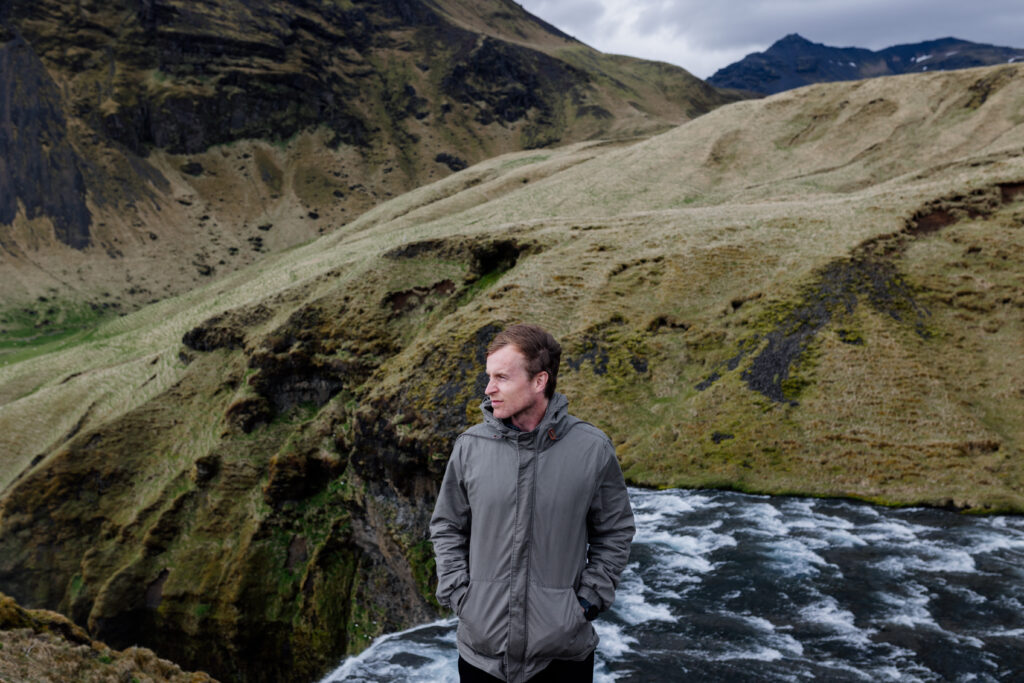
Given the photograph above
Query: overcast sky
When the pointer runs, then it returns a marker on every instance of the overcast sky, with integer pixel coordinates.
(703, 36)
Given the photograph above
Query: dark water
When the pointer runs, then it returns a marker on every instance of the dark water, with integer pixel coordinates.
(729, 587)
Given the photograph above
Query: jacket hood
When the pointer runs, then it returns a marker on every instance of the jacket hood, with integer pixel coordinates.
(553, 426)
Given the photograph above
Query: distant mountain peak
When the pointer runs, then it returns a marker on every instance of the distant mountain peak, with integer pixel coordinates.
(792, 39)
(794, 61)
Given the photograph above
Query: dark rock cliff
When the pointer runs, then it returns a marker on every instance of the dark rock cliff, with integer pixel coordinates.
(392, 94)
(38, 165)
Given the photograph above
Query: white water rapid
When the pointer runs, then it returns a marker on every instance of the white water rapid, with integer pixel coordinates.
(729, 587)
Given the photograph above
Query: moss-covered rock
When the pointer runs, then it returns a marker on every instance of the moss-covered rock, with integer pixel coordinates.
(39, 645)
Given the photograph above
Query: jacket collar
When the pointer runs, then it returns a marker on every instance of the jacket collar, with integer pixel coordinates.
(552, 426)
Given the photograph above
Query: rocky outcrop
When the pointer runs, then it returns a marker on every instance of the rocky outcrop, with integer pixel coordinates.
(41, 172)
(44, 646)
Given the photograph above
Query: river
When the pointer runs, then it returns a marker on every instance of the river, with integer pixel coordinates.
(724, 586)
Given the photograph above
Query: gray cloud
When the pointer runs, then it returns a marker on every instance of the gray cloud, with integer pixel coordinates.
(571, 16)
(704, 36)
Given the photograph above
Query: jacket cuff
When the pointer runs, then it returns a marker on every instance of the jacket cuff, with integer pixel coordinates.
(590, 596)
(455, 599)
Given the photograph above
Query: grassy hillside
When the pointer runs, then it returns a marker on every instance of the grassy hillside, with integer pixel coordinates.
(150, 149)
(818, 293)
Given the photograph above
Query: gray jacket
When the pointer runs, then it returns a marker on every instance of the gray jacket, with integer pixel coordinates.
(525, 523)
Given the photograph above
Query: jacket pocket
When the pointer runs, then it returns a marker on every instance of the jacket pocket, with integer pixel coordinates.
(556, 625)
(483, 617)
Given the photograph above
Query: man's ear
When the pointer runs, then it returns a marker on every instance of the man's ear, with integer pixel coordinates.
(540, 380)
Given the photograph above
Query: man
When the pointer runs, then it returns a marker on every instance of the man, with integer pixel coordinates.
(532, 525)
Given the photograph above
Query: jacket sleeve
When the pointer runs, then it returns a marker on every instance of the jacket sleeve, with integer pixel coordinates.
(449, 532)
(610, 530)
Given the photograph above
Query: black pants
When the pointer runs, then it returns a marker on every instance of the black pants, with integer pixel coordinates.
(558, 671)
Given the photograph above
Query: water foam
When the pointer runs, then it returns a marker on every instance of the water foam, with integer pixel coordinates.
(836, 621)
(793, 557)
(631, 604)
(723, 586)
(614, 640)
(402, 656)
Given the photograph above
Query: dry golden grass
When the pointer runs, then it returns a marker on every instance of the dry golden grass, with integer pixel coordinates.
(46, 658)
(716, 228)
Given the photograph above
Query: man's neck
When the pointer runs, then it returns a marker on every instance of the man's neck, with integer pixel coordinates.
(528, 420)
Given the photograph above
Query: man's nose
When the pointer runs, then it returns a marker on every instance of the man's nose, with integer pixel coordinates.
(490, 388)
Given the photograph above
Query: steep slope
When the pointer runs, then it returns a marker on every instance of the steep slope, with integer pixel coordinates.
(794, 61)
(152, 146)
(46, 647)
(815, 293)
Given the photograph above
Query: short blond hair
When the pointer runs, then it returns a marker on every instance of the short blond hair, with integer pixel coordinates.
(543, 353)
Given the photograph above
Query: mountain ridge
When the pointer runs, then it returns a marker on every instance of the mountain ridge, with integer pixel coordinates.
(153, 146)
(793, 62)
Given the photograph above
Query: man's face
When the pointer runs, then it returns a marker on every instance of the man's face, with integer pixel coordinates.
(513, 392)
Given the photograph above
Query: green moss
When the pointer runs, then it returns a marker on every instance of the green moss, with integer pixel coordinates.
(76, 586)
(481, 284)
(849, 335)
(323, 623)
(801, 372)
(627, 357)
(300, 414)
(424, 570)
(367, 617)
(31, 331)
